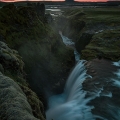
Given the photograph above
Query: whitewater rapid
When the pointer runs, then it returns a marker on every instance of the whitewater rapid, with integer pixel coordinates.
(69, 42)
(73, 103)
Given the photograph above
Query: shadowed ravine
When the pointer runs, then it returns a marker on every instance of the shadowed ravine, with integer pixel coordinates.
(88, 95)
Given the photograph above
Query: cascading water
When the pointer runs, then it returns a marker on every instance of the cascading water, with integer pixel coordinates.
(69, 42)
(73, 103)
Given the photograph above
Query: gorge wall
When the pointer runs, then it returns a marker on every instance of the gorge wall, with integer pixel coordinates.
(32, 58)
(95, 31)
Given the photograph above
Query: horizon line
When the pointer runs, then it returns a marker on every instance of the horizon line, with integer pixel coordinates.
(91, 1)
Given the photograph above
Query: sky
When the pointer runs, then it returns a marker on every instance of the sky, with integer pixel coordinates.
(27, 0)
(59, 0)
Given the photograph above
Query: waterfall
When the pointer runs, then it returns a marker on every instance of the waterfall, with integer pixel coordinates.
(72, 104)
(69, 42)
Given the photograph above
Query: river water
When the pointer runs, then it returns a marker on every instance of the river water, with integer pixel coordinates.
(88, 95)
(75, 103)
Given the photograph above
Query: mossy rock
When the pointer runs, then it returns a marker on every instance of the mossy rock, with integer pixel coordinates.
(35, 103)
(10, 59)
(13, 102)
(105, 44)
(21, 24)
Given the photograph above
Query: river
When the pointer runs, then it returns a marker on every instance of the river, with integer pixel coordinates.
(76, 103)
(90, 93)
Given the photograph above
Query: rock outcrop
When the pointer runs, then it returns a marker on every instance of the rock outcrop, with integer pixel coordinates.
(14, 89)
(105, 44)
(83, 41)
(13, 102)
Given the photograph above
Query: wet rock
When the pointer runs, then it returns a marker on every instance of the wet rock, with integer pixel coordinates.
(107, 100)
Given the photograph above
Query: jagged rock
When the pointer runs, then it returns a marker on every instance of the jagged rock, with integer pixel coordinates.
(83, 41)
(13, 102)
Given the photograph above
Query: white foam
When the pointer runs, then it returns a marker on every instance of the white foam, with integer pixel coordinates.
(117, 63)
(116, 81)
(66, 40)
(77, 55)
(107, 94)
(72, 104)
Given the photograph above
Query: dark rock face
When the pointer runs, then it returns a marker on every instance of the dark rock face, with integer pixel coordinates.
(47, 66)
(11, 65)
(83, 41)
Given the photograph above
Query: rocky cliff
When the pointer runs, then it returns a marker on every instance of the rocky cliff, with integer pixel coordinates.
(95, 31)
(32, 58)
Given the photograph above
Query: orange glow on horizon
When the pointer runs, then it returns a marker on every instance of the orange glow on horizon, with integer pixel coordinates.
(90, 0)
(57, 0)
(31, 0)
